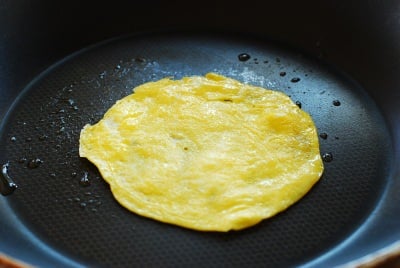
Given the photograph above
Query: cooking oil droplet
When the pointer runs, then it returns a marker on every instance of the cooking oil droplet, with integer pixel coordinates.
(327, 157)
(336, 102)
(323, 135)
(295, 80)
(140, 59)
(34, 163)
(22, 160)
(84, 181)
(43, 137)
(244, 57)
(13, 139)
(7, 186)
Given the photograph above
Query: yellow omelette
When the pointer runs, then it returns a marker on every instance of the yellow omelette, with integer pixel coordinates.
(207, 153)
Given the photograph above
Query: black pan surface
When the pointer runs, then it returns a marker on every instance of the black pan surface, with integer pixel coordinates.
(56, 220)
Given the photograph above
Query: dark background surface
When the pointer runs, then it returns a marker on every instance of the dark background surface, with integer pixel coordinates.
(361, 38)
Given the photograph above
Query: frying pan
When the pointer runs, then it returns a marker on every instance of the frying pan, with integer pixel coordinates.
(63, 64)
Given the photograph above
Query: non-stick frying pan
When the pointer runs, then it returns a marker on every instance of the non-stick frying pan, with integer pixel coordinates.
(63, 65)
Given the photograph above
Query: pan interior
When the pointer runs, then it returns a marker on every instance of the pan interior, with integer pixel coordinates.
(63, 200)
